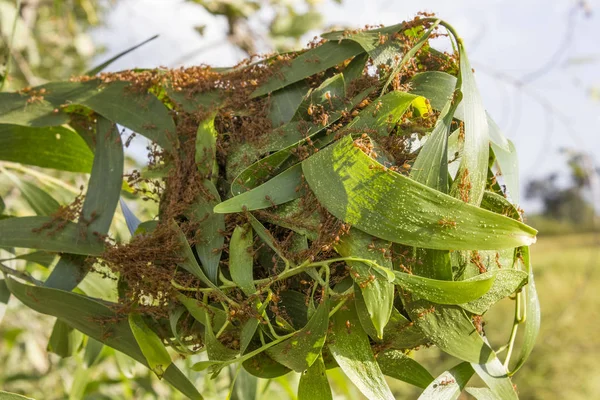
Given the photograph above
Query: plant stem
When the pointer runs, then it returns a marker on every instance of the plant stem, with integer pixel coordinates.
(225, 325)
(226, 281)
(258, 351)
(200, 290)
(513, 334)
(337, 307)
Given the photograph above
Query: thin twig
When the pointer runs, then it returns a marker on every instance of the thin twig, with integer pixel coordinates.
(19, 274)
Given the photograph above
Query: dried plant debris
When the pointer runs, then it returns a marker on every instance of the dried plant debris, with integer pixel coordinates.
(327, 207)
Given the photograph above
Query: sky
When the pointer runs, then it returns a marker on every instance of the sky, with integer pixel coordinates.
(549, 44)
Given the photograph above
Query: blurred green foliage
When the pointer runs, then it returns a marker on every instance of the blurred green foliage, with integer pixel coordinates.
(45, 40)
(566, 208)
(286, 23)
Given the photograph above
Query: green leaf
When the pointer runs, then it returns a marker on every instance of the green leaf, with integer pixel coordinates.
(68, 273)
(151, 345)
(532, 313)
(53, 147)
(355, 68)
(454, 152)
(100, 202)
(410, 54)
(387, 55)
(245, 386)
(495, 376)
(266, 236)
(376, 292)
(362, 310)
(206, 149)
(382, 114)
(471, 179)
(174, 316)
(247, 333)
(285, 102)
(481, 393)
(293, 304)
(507, 282)
(497, 138)
(22, 232)
(508, 163)
(120, 103)
(191, 101)
(117, 101)
(280, 189)
(446, 292)
(301, 350)
(23, 109)
(4, 298)
(204, 364)
(257, 172)
(295, 131)
(350, 347)
(12, 396)
(309, 63)
(106, 63)
(449, 328)
(330, 95)
(64, 340)
(209, 238)
(500, 205)
(189, 262)
(241, 259)
(400, 333)
(104, 186)
(431, 166)
(201, 311)
(452, 331)
(398, 365)
(100, 286)
(438, 86)
(296, 134)
(449, 384)
(263, 366)
(93, 348)
(40, 201)
(284, 214)
(214, 348)
(97, 320)
(355, 188)
(369, 40)
(146, 227)
(313, 383)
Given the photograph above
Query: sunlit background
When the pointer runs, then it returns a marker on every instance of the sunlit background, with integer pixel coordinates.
(537, 63)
